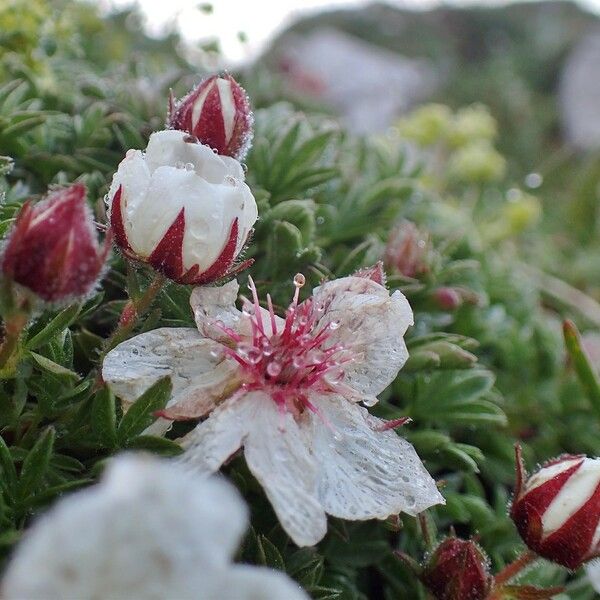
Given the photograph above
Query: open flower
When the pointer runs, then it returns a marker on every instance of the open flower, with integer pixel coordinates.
(147, 531)
(181, 208)
(53, 249)
(289, 390)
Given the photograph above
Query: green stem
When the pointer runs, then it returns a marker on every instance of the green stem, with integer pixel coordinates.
(132, 311)
(13, 328)
(514, 568)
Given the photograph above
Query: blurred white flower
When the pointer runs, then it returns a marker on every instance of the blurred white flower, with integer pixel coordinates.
(592, 570)
(181, 208)
(147, 531)
(289, 391)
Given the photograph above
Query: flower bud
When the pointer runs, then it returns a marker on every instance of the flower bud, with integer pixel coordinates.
(476, 162)
(457, 570)
(447, 298)
(557, 509)
(217, 112)
(182, 209)
(53, 249)
(407, 249)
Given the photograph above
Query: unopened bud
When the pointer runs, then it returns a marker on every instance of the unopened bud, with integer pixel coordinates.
(447, 298)
(53, 249)
(457, 570)
(217, 112)
(557, 509)
(407, 249)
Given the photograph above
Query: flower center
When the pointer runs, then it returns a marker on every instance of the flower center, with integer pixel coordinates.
(292, 356)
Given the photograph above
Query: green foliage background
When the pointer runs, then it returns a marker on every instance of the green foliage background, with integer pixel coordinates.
(76, 91)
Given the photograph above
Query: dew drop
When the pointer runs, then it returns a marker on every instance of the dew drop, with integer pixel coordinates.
(189, 166)
(334, 324)
(179, 165)
(254, 355)
(273, 369)
(248, 309)
(299, 280)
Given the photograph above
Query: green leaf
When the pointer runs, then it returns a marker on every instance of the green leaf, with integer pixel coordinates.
(57, 325)
(104, 418)
(9, 473)
(52, 367)
(585, 371)
(140, 414)
(36, 464)
(157, 445)
(268, 553)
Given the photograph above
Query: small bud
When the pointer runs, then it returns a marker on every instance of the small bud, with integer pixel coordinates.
(447, 298)
(182, 209)
(375, 273)
(557, 509)
(457, 570)
(217, 112)
(476, 162)
(426, 125)
(53, 249)
(407, 250)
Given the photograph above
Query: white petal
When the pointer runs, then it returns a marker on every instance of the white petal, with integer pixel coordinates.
(169, 147)
(212, 304)
(365, 473)
(592, 570)
(213, 441)
(216, 304)
(370, 323)
(148, 531)
(255, 583)
(280, 461)
(199, 373)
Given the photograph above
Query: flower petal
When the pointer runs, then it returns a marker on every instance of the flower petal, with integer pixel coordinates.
(592, 570)
(276, 453)
(244, 582)
(213, 441)
(366, 473)
(200, 375)
(217, 304)
(372, 324)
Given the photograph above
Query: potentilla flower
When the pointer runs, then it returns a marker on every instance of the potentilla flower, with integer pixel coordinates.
(407, 249)
(218, 113)
(148, 531)
(182, 208)
(557, 509)
(289, 391)
(457, 570)
(53, 249)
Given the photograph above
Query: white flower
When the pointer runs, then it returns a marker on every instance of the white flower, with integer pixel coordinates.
(289, 391)
(182, 208)
(592, 570)
(147, 531)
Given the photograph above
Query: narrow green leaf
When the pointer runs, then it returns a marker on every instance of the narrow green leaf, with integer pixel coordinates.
(52, 367)
(141, 413)
(36, 464)
(104, 418)
(9, 473)
(56, 325)
(154, 444)
(584, 369)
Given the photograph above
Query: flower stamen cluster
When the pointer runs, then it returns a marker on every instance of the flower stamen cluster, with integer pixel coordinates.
(288, 357)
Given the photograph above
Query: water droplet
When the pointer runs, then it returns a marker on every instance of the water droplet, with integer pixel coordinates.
(534, 180)
(244, 167)
(298, 361)
(179, 165)
(230, 180)
(299, 280)
(216, 353)
(334, 324)
(273, 369)
(254, 355)
(337, 436)
(189, 166)
(320, 220)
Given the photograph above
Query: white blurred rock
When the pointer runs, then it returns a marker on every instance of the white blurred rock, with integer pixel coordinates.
(580, 94)
(368, 85)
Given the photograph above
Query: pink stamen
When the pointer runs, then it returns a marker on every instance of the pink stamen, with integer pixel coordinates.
(290, 362)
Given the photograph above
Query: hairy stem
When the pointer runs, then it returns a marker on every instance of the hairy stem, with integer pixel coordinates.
(515, 567)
